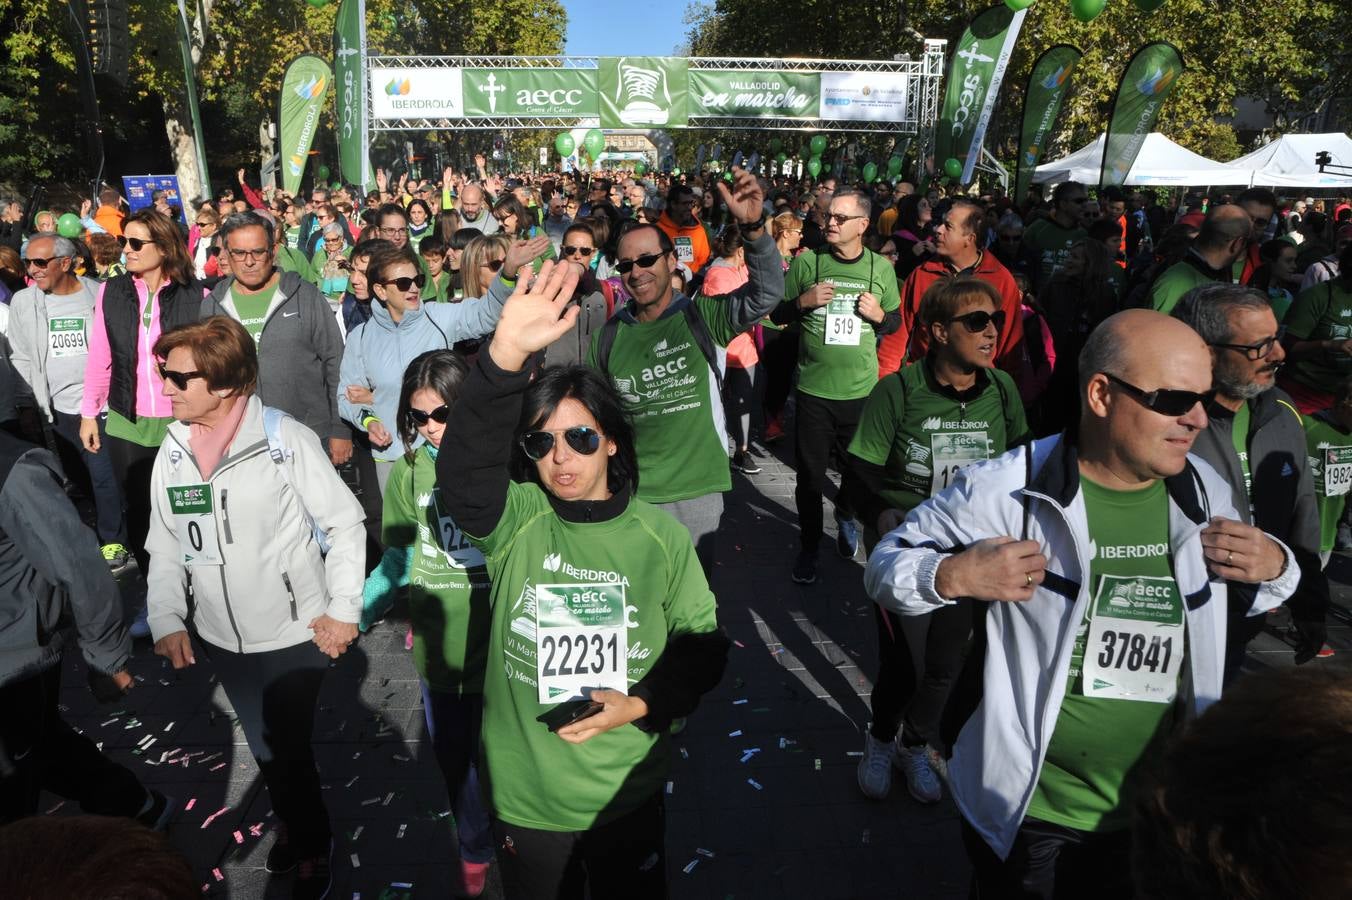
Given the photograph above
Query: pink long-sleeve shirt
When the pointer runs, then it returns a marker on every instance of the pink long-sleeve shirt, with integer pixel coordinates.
(150, 399)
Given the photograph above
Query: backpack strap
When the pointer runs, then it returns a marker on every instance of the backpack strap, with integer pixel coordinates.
(698, 330)
(282, 456)
(606, 342)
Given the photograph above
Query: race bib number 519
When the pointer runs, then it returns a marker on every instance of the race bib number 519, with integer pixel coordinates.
(581, 640)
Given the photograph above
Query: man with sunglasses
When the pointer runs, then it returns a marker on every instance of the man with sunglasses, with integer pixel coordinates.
(1098, 566)
(845, 298)
(1255, 438)
(1047, 241)
(300, 347)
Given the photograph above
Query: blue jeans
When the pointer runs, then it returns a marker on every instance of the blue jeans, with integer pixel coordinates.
(111, 526)
(453, 723)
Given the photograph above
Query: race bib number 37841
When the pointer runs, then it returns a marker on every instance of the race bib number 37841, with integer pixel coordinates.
(581, 640)
(1135, 646)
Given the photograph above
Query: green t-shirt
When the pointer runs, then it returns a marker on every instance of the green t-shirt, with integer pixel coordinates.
(921, 433)
(1173, 283)
(666, 384)
(642, 577)
(253, 308)
(1280, 300)
(838, 350)
(437, 289)
(448, 578)
(147, 431)
(1321, 313)
(1329, 450)
(1239, 437)
(293, 237)
(289, 260)
(1051, 244)
(1099, 742)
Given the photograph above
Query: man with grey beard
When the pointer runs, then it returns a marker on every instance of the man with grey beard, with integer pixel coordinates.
(1255, 439)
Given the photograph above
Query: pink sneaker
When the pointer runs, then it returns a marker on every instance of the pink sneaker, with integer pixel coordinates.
(408, 639)
(473, 877)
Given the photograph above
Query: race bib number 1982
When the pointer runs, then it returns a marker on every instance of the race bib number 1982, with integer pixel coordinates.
(581, 640)
(1337, 471)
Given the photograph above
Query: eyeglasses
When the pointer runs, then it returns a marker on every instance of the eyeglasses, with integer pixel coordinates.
(405, 284)
(841, 220)
(131, 243)
(493, 265)
(33, 263)
(438, 415)
(1165, 401)
(202, 223)
(538, 444)
(393, 232)
(579, 251)
(646, 261)
(180, 379)
(251, 255)
(978, 320)
(1254, 352)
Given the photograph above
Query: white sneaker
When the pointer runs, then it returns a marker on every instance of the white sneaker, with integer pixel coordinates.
(875, 769)
(921, 780)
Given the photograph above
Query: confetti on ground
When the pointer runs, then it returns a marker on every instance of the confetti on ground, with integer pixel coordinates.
(357, 833)
(239, 837)
(402, 828)
(685, 754)
(402, 885)
(191, 803)
(217, 766)
(670, 785)
(388, 798)
(702, 852)
(740, 644)
(212, 818)
(59, 804)
(854, 752)
(741, 702)
(370, 802)
(356, 863)
(402, 758)
(256, 830)
(737, 733)
(216, 873)
(352, 781)
(866, 836)
(817, 764)
(749, 752)
(168, 727)
(755, 784)
(690, 866)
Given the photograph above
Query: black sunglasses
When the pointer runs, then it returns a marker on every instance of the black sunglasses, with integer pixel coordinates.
(538, 444)
(580, 251)
(134, 243)
(180, 379)
(976, 322)
(494, 264)
(405, 284)
(1165, 401)
(645, 261)
(38, 261)
(438, 415)
(1254, 352)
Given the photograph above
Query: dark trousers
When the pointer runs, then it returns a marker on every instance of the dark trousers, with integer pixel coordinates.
(823, 427)
(778, 359)
(621, 860)
(895, 691)
(103, 486)
(1051, 862)
(453, 724)
(39, 751)
(133, 465)
(274, 695)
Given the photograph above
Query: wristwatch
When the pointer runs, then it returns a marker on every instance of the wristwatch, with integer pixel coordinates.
(758, 225)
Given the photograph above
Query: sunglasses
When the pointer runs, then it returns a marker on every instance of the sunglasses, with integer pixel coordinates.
(36, 262)
(405, 284)
(494, 264)
(579, 251)
(841, 220)
(976, 322)
(134, 244)
(180, 379)
(438, 415)
(538, 444)
(646, 261)
(1165, 401)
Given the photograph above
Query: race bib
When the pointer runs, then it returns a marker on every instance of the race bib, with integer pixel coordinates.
(581, 640)
(951, 451)
(685, 249)
(195, 521)
(66, 337)
(1337, 471)
(1135, 645)
(843, 327)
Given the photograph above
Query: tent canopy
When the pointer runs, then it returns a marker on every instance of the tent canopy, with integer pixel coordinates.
(1160, 162)
(1289, 161)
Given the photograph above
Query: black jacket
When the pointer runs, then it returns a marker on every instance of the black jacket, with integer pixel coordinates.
(179, 304)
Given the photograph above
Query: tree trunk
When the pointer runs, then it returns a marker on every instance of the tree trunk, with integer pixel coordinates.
(267, 149)
(179, 130)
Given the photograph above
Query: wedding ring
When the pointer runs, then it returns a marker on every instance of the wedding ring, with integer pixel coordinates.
(1028, 579)
(1229, 557)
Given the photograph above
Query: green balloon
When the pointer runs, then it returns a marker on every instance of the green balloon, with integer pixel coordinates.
(780, 158)
(953, 168)
(818, 144)
(640, 168)
(68, 226)
(727, 176)
(814, 166)
(1149, 5)
(337, 185)
(1087, 10)
(676, 171)
(1017, 5)
(322, 173)
(894, 167)
(595, 142)
(870, 172)
(565, 144)
(775, 146)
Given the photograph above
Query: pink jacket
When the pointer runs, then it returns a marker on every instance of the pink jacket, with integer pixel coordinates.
(150, 399)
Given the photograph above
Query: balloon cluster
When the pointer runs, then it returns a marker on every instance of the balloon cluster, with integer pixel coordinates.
(1088, 10)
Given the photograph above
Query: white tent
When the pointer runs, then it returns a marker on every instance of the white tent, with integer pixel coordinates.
(1289, 161)
(1160, 162)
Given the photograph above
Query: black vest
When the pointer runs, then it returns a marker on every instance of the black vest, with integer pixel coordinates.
(179, 304)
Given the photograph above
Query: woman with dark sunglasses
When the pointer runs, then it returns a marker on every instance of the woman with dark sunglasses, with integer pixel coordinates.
(919, 427)
(603, 625)
(446, 581)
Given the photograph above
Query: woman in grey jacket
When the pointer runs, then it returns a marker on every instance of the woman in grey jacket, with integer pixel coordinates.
(245, 503)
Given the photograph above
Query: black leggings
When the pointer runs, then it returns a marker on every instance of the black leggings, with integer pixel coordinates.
(133, 464)
(895, 690)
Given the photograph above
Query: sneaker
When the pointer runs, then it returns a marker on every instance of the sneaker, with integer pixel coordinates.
(282, 856)
(1325, 652)
(875, 769)
(157, 814)
(773, 432)
(116, 555)
(473, 877)
(140, 626)
(805, 568)
(742, 462)
(847, 536)
(920, 778)
(313, 877)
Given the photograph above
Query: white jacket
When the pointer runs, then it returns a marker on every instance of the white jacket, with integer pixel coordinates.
(1013, 705)
(274, 581)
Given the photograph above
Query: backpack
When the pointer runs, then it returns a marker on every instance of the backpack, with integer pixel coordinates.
(698, 330)
(282, 455)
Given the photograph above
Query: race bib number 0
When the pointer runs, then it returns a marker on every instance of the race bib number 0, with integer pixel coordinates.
(66, 337)
(195, 521)
(1337, 471)
(843, 327)
(581, 640)
(1135, 646)
(951, 451)
(685, 249)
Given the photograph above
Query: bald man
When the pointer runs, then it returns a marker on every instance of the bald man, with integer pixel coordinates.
(1099, 564)
(1224, 238)
(474, 212)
